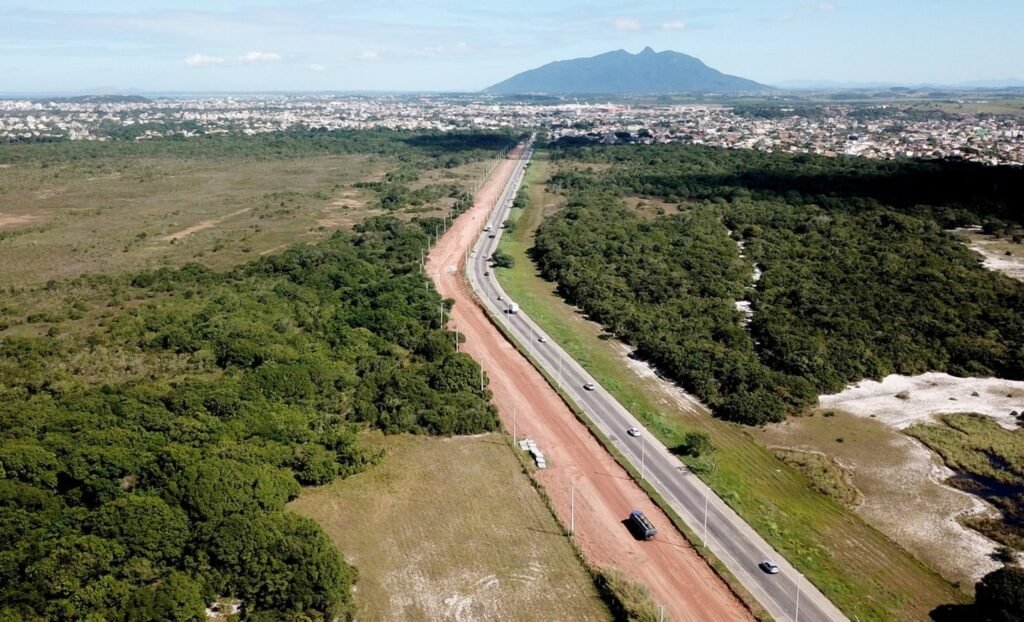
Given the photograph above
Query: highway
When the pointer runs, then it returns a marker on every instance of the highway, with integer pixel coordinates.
(786, 595)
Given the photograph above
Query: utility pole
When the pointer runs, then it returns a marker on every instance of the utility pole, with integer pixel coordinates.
(481, 379)
(661, 615)
(572, 509)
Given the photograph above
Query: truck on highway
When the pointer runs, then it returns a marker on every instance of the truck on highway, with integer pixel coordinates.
(641, 526)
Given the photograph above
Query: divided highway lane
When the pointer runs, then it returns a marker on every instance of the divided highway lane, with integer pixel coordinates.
(786, 595)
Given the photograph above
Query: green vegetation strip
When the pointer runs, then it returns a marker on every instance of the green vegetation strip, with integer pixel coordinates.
(864, 573)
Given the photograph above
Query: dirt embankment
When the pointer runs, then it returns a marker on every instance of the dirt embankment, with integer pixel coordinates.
(604, 493)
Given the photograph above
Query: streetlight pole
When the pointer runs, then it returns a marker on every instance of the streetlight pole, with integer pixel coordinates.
(643, 446)
(796, 616)
(572, 509)
(705, 518)
(515, 436)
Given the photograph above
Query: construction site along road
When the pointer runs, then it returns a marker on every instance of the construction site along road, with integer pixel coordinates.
(580, 469)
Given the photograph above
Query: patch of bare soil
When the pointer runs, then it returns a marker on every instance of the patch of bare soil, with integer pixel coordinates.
(17, 220)
(995, 257)
(900, 479)
(202, 226)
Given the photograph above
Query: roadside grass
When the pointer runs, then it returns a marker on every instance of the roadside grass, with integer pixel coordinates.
(863, 572)
(828, 477)
(452, 529)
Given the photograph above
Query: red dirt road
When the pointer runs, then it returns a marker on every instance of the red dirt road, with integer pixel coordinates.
(605, 494)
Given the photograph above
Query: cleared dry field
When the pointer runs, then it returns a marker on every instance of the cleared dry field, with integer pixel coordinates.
(459, 533)
(60, 221)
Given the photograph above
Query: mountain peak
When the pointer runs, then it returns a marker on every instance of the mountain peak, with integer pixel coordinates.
(619, 72)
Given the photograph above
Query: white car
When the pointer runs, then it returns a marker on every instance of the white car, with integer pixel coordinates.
(633, 431)
(589, 386)
(542, 339)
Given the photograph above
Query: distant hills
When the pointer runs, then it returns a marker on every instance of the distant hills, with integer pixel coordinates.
(831, 85)
(619, 72)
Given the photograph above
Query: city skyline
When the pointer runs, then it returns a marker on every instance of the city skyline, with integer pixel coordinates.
(282, 45)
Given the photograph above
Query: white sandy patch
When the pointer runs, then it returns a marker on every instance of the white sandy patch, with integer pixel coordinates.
(901, 488)
(927, 395)
(923, 514)
(910, 502)
(668, 389)
(1010, 265)
(744, 306)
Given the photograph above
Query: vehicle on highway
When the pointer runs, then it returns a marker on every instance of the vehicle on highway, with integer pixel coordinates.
(633, 431)
(641, 526)
(589, 386)
(542, 339)
(513, 307)
(769, 566)
(488, 227)
(487, 273)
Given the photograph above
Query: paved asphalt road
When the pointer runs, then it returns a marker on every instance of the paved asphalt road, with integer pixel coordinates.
(786, 595)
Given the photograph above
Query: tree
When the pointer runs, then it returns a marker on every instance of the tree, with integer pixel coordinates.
(177, 598)
(695, 443)
(501, 259)
(999, 596)
(146, 526)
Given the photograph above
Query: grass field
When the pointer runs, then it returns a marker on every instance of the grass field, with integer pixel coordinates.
(459, 533)
(994, 106)
(862, 571)
(73, 218)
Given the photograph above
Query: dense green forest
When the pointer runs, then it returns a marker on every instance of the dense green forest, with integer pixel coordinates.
(416, 149)
(143, 499)
(859, 278)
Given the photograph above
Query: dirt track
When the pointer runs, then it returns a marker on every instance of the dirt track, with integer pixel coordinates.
(676, 576)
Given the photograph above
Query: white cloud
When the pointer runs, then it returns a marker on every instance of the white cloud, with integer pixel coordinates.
(368, 55)
(822, 7)
(317, 67)
(199, 60)
(260, 57)
(676, 24)
(624, 24)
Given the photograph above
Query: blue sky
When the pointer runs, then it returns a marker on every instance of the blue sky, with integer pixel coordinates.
(261, 45)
